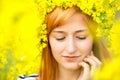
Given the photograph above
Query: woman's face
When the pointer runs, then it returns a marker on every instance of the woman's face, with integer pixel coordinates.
(71, 42)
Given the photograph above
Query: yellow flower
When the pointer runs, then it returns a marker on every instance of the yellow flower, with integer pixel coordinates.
(114, 36)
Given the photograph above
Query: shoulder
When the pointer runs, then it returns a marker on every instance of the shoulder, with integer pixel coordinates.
(30, 77)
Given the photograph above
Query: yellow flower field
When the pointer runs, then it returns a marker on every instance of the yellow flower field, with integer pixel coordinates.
(22, 34)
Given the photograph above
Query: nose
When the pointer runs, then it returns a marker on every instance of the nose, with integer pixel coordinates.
(71, 46)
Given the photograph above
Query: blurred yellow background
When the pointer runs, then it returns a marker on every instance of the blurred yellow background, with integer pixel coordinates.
(19, 41)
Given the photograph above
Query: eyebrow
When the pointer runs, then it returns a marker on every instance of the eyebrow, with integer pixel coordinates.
(84, 30)
(59, 31)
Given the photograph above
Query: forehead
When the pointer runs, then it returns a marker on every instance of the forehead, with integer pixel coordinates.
(76, 22)
(70, 29)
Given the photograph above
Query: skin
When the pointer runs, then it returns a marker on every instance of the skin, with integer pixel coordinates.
(71, 45)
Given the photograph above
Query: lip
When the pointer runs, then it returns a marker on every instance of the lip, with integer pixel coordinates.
(71, 58)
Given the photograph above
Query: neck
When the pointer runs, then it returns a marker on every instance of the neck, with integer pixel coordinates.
(65, 74)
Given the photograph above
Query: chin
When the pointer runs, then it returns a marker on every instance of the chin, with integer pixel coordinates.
(72, 66)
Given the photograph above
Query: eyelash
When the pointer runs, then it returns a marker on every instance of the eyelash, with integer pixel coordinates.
(62, 38)
(81, 38)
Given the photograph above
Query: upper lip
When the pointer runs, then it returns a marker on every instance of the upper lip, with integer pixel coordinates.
(71, 56)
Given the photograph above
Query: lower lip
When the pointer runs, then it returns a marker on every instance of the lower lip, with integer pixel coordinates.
(70, 58)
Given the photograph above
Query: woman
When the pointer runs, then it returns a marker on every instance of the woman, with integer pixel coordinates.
(73, 51)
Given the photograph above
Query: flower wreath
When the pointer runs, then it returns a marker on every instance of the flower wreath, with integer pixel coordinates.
(102, 11)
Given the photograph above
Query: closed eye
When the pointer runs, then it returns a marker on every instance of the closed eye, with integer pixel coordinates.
(60, 38)
(81, 37)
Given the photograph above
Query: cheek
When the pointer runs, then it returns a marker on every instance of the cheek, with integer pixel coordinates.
(56, 47)
(85, 46)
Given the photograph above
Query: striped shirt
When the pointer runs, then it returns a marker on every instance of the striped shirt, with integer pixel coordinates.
(30, 77)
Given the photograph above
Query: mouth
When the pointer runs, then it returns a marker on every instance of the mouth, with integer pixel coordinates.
(71, 58)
